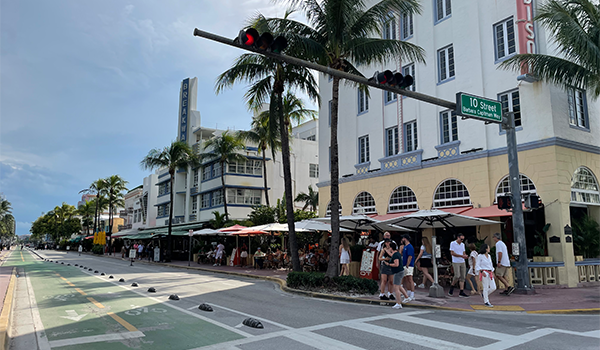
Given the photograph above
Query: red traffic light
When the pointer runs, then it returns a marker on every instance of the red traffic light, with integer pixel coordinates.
(248, 37)
(265, 41)
(392, 79)
(504, 202)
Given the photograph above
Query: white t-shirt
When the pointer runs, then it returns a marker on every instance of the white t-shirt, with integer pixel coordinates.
(220, 248)
(380, 245)
(483, 263)
(457, 249)
(501, 247)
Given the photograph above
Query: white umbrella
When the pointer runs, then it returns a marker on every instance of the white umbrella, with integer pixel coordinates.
(437, 219)
(363, 222)
(208, 232)
(313, 225)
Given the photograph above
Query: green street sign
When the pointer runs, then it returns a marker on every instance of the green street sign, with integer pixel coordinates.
(478, 108)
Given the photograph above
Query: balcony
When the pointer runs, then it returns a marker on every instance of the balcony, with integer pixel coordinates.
(125, 227)
(402, 160)
(448, 150)
(194, 190)
(362, 168)
(193, 217)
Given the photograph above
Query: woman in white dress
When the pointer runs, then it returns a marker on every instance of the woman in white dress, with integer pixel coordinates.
(485, 269)
(345, 257)
(471, 273)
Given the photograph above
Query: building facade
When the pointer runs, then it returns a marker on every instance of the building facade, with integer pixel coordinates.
(398, 155)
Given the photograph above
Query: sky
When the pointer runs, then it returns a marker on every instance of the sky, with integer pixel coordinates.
(87, 88)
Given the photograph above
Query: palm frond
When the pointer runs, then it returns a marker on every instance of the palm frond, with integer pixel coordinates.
(370, 50)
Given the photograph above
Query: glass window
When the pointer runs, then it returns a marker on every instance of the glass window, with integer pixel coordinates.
(216, 170)
(577, 108)
(410, 70)
(407, 25)
(451, 193)
(313, 170)
(328, 211)
(445, 63)
(364, 204)
(584, 187)
(363, 149)
(449, 127)
(195, 178)
(363, 101)
(217, 197)
(194, 205)
(504, 39)
(164, 188)
(244, 196)
(391, 144)
(527, 187)
(389, 27)
(402, 199)
(311, 138)
(206, 172)
(510, 103)
(412, 142)
(389, 96)
(443, 9)
(163, 210)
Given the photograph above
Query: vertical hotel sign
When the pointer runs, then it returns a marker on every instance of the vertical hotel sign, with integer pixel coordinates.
(184, 110)
(526, 29)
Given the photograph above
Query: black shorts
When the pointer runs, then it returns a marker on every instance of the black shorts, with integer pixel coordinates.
(425, 262)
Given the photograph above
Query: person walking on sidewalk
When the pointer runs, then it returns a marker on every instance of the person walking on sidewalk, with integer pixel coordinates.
(219, 255)
(408, 257)
(424, 261)
(386, 279)
(345, 257)
(502, 263)
(389, 284)
(472, 272)
(485, 270)
(397, 267)
(457, 249)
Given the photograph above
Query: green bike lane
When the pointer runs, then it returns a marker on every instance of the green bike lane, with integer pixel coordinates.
(78, 308)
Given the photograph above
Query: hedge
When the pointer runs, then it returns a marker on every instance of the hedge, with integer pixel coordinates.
(310, 280)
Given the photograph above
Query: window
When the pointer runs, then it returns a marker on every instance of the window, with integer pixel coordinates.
(410, 70)
(446, 63)
(216, 170)
(527, 187)
(389, 28)
(243, 196)
(584, 187)
(449, 127)
(364, 204)
(164, 188)
(389, 97)
(329, 114)
(451, 193)
(504, 39)
(407, 26)
(311, 138)
(402, 199)
(163, 210)
(577, 108)
(391, 144)
(363, 101)
(217, 198)
(410, 132)
(195, 178)
(328, 211)
(206, 173)
(510, 103)
(194, 205)
(313, 170)
(443, 9)
(205, 200)
(248, 166)
(363, 149)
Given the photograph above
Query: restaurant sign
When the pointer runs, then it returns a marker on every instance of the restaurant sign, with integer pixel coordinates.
(184, 110)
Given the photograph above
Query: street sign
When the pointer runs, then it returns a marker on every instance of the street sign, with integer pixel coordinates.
(478, 108)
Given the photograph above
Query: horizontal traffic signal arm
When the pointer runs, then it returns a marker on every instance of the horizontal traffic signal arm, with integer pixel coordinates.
(323, 69)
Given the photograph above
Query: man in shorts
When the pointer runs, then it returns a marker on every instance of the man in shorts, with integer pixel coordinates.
(408, 257)
(457, 250)
(502, 263)
(219, 255)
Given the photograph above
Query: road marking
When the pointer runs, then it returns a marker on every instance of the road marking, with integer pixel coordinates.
(80, 291)
(253, 316)
(123, 323)
(98, 305)
(42, 339)
(72, 315)
(96, 339)
(22, 257)
(321, 342)
(498, 308)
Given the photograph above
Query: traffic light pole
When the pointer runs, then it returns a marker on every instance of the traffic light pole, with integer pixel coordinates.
(518, 222)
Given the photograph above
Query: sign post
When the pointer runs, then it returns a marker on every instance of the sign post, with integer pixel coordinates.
(190, 234)
(476, 107)
(435, 291)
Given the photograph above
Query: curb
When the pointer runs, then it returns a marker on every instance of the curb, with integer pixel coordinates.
(5, 316)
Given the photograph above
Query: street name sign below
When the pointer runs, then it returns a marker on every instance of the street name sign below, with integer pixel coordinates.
(478, 108)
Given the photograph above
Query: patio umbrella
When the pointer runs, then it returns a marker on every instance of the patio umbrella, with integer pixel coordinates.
(209, 232)
(313, 225)
(233, 228)
(437, 219)
(363, 222)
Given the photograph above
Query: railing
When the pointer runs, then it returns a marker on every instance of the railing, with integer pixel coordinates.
(193, 217)
(588, 270)
(544, 273)
(194, 190)
(125, 227)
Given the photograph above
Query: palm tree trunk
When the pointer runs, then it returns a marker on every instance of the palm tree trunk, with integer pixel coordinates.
(169, 237)
(287, 176)
(332, 267)
(110, 220)
(224, 190)
(265, 177)
(96, 212)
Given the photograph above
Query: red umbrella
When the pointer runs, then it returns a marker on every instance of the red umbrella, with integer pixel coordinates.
(233, 228)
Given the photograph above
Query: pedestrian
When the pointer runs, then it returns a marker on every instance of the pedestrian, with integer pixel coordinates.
(424, 261)
(408, 257)
(345, 257)
(219, 255)
(398, 270)
(502, 263)
(390, 284)
(386, 271)
(123, 252)
(472, 271)
(244, 255)
(372, 243)
(457, 250)
(485, 270)
(140, 250)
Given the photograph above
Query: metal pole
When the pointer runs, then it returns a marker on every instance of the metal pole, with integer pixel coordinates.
(517, 216)
(435, 291)
(190, 234)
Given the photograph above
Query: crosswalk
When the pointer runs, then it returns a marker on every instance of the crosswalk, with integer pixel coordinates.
(406, 329)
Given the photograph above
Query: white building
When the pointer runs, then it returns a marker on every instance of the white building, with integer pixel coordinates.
(398, 154)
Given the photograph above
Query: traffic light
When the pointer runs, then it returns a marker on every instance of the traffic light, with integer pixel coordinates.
(392, 79)
(532, 201)
(251, 37)
(504, 202)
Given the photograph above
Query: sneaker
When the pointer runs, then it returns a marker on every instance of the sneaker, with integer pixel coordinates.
(489, 305)
(215, 265)
(421, 285)
(462, 295)
(451, 291)
(383, 297)
(510, 290)
(391, 297)
(505, 292)
(408, 300)
(397, 306)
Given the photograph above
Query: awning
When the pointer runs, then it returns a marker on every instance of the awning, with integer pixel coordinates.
(487, 212)
(456, 210)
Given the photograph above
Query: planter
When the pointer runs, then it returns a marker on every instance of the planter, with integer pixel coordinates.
(542, 259)
(578, 257)
(354, 268)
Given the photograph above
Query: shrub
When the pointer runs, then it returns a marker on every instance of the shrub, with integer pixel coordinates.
(98, 249)
(304, 280)
(355, 284)
(309, 280)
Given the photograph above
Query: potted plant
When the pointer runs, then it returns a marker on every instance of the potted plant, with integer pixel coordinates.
(539, 250)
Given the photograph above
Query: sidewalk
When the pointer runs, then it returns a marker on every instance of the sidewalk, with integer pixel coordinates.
(565, 300)
(5, 274)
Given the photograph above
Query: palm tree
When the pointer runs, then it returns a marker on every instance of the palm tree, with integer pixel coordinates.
(96, 188)
(340, 36)
(576, 28)
(178, 155)
(7, 220)
(115, 185)
(87, 211)
(224, 149)
(310, 199)
(268, 78)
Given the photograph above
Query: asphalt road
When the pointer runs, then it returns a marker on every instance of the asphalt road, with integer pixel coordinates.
(67, 307)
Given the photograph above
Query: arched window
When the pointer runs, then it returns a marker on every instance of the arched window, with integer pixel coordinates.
(364, 204)
(584, 187)
(451, 193)
(527, 186)
(328, 211)
(402, 199)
